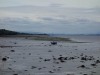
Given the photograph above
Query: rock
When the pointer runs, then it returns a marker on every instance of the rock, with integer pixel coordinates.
(83, 58)
(29, 53)
(12, 50)
(15, 43)
(97, 61)
(53, 43)
(93, 65)
(85, 74)
(51, 72)
(86, 58)
(59, 67)
(82, 66)
(47, 59)
(56, 62)
(71, 58)
(4, 59)
(9, 68)
(25, 70)
(76, 49)
(40, 58)
(49, 51)
(39, 68)
(62, 59)
(15, 74)
(33, 67)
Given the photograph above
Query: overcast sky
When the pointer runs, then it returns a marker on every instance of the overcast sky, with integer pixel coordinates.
(51, 16)
(67, 3)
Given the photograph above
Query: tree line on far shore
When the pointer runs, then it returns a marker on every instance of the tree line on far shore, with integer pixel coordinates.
(8, 32)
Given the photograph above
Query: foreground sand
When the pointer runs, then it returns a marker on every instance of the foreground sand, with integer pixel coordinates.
(30, 57)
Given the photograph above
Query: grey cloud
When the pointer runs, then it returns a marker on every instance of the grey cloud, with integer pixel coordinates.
(56, 5)
(54, 8)
(50, 25)
(54, 20)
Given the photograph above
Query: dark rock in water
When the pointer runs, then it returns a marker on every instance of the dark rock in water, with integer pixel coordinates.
(15, 74)
(25, 70)
(29, 53)
(7, 57)
(97, 61)
(33, 67)
(39, 68)
(62, 59)
(66, 58)
(91, 58)
(83, 58)
(76, 49)
(82, 66)
(93, 65)
(49, 51)
(86, 58)
(53, 43)
(85, 74)
(59, 67)
(51, 72)
(56, 62)
(60, 55)
(44, 67)
(12, 50)
(54, 58)
(71, 58)
(15, 43)
(47, 59)
(4, 59)
(10, 68)
(14, 61)
(40, 58)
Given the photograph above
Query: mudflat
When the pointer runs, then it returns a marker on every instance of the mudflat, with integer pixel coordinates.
(23, 56)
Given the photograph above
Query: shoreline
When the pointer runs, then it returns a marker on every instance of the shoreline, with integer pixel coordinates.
(34, 57)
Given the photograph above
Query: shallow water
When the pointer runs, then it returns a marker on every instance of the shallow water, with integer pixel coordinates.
(29, 57)
(82, 38)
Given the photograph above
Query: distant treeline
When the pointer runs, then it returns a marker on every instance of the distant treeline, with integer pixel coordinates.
(8, 32)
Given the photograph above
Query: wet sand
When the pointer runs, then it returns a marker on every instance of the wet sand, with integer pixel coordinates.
(20, 56)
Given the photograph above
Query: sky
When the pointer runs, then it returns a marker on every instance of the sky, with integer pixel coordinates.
(51, 16)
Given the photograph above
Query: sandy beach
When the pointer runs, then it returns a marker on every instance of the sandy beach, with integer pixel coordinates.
(21, 56)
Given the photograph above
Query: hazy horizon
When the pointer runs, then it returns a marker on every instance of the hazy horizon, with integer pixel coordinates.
(49, 16)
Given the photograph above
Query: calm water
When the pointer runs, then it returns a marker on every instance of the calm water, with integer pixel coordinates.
(82, 38)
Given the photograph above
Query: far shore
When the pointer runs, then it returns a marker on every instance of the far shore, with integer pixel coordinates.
(42, 37)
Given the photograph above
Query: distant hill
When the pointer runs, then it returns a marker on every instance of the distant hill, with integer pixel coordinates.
(9, 32)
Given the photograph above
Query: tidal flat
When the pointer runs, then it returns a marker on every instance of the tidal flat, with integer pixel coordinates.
(28, 56)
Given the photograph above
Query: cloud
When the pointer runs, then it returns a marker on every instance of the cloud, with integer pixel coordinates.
(52, 25)
(56, 5)
(66, 3)
(50, 19)
(48, 11)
